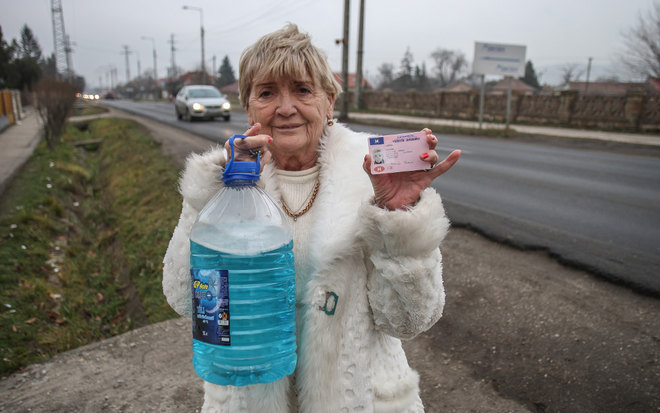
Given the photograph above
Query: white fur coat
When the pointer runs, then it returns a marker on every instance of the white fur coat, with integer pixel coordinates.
(384, 267)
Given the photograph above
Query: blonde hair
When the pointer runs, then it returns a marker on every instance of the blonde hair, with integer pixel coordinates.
(285, 52)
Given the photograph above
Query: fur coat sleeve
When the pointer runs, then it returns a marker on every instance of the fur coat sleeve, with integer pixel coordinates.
(200, 181)
(404, 263)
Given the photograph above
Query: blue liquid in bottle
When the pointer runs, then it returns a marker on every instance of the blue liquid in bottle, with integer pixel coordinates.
(243, 284)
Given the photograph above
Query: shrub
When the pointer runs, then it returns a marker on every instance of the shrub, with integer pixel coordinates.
(54, 101)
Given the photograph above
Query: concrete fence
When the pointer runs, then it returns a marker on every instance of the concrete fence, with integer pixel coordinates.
(634, 112)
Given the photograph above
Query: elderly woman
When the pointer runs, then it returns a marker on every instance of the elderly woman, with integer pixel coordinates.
(366, 247)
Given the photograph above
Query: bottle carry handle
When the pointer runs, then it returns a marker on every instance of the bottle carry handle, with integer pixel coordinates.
(246, 170)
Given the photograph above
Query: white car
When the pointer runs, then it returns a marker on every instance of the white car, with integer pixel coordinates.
(202, 102)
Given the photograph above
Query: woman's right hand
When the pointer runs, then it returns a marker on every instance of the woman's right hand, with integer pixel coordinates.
(245, 149)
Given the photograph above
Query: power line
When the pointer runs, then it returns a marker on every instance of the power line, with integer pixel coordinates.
(278, 10)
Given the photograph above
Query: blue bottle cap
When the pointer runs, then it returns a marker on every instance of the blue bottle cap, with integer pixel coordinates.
(241, 170)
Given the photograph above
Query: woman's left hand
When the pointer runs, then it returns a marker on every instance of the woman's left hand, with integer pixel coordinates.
(403, 189)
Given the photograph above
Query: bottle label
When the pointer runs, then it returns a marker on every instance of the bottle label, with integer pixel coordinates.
(210, 295)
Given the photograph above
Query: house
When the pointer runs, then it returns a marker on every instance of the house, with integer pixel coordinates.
(352, 81)
(653, 86)
(517, 86)
(231, 91)
(231, 88)
(458, 87)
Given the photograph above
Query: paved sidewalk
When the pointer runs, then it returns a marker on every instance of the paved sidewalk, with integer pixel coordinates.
(17, 142)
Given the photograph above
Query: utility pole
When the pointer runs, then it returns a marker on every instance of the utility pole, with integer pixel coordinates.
(214, 74)
(172, 60)
(201, 27)
(360, 52)
(586, 86)
(139, 68)
(343, 115)
(153, 44)
(126, 52)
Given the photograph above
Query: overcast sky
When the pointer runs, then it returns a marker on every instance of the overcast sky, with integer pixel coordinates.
(555, 32)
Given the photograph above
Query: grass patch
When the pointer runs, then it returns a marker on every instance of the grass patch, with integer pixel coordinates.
(82, 236)
(82, 108)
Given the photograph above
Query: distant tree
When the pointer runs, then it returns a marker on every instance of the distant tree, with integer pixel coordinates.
(48, 66)
(19, 62)
(570, 73)
(226, 73)
(78, 83)
(530, 76)
(406, 65)
(386, 74)
(404, 79)
(29, 46)
(642, 42)
(421, 80)
(409, 76)
(6, 60)
(449, 65)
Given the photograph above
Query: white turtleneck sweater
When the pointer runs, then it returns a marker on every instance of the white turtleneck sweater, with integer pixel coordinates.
(296, 188)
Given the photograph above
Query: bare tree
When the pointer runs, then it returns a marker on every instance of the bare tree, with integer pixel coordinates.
(571, 72)
(642, 42)
(449, 65)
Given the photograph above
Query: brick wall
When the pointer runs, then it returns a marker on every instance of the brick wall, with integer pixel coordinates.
(634, 112)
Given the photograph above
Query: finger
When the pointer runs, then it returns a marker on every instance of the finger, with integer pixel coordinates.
(431, 140)
(446, 164)
(431, 157)
(253, 143)
(265, 158)
(254, 130)
(366, 165)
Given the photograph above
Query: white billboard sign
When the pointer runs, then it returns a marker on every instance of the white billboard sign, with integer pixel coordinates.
(498, 59)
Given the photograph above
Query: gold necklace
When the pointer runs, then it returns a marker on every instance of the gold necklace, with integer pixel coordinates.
(303, 211)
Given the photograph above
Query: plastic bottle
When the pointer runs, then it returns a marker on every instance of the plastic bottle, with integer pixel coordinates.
(243, 281)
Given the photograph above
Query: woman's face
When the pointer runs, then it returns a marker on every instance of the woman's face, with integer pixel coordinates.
(292, 111)
(378, 156)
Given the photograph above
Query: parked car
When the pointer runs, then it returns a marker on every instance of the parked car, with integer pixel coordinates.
(201, 102)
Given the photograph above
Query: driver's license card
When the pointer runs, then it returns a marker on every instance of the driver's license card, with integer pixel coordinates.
(398, 153)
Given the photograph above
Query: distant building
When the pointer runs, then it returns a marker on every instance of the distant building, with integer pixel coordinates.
(517, 86)
(191, 78)
(352, 81)
(230, 88)
(231, 91)
(653, 85)
(458, 87)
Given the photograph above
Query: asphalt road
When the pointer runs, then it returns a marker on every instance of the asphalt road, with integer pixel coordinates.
(591, 207)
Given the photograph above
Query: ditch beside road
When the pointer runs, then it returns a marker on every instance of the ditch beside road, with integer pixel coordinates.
(520, 333)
